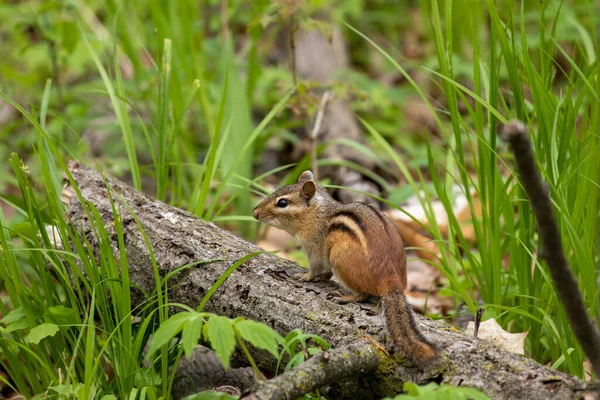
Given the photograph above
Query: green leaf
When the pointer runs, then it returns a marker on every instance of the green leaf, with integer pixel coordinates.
(67, 390)
(222, 278)
(69, 35)
(22, 323)
(209, 395)
(472, 394)
(14, 315)
(434, 391)
(147, 376)
(60, 315)
(191, 334)
(222, 338)
(259, 335)
(296, 360)
(42, 331)
(168, 330)
(313, 350)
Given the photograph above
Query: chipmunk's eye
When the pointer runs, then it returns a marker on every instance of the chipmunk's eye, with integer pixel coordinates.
(282, 203)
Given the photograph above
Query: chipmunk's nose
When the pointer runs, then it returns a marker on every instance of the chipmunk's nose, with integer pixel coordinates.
(255, 214)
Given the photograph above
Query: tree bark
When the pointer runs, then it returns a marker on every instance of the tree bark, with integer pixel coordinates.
(262, 290)
(318, 371)
(320, 59)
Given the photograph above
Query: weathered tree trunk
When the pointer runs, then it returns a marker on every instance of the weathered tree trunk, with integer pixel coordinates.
(262, 290)
(319, 58)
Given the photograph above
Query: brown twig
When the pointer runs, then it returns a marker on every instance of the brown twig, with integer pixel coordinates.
(315, 132)
(478, 316)
(318, 371)
(586, 332)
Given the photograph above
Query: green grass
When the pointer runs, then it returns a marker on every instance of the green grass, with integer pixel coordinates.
(564, 125)
(186, 104)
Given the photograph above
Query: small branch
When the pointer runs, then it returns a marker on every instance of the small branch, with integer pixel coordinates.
(318, 371)
(478, 316)
(315, 132)
(586, 332)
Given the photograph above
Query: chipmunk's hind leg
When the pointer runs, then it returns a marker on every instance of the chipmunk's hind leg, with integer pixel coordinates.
(349, 298)
(313, 276)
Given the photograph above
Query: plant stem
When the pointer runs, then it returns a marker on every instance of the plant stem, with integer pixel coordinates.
(240, 342)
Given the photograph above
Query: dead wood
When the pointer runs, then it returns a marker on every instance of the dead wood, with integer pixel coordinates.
(319, 58)
(320, 370)
(262, 290)
(567, 287)
(204, 371)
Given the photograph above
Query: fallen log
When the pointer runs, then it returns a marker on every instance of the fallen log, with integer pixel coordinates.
(262, 290)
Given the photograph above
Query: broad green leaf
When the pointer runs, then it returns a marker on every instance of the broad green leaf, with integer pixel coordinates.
(67, 390)
(22, 323)
(313, 350)
(222, 338)
(472, 394)
(61, 315)
(191, 334)
(14, 315)
(168, 330)
(297, 359)
(147, 377)
(69, 35)
(222, 278)
(42, 331)
(259, 335)
(209, 395)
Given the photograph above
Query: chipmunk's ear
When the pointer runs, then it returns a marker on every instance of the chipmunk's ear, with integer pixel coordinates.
(308, 189)
(306, 176)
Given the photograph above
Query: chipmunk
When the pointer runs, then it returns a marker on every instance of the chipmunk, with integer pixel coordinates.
(356, 243)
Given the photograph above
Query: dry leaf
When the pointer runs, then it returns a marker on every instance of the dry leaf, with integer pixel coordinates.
(460, 209)
(435, 303)
(588, 368)
(422, 277)
(424, 246)
(490, 331)
(422, 290)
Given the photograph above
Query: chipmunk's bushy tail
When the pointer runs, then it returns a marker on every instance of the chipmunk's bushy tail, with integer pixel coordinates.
(404, 330)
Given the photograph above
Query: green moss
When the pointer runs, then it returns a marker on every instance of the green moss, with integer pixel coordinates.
(390, 382)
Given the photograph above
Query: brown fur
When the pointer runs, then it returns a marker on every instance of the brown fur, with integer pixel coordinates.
(356, 242)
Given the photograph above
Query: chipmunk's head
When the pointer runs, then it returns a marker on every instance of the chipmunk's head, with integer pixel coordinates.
(287, 207)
